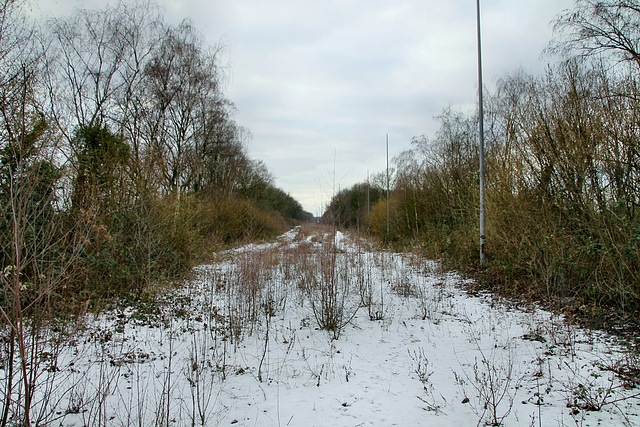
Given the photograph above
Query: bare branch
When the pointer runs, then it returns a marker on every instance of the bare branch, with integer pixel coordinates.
(599, 28)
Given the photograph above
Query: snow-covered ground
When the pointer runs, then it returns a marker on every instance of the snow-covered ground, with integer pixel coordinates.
(241, 344)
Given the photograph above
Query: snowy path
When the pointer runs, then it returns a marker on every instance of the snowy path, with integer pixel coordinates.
(433, 355)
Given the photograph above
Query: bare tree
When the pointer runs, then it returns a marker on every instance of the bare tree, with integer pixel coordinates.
(95, 60)
(597, 27)
(36, 253)
(16, 76)
(187, 109)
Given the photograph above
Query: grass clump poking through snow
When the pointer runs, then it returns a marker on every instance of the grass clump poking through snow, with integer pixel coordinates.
(332, 295)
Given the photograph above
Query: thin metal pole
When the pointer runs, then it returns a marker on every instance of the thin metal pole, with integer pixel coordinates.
(387, 184)
(368, 195)
(481, 130)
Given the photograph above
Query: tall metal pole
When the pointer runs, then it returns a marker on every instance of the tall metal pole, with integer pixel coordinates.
(387, 184)
(481, 131)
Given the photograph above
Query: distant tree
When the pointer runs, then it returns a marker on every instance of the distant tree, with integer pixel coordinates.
(257, 184)
(279, 201)
(349, 208)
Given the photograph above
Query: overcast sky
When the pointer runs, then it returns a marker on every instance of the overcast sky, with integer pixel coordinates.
(320, 83)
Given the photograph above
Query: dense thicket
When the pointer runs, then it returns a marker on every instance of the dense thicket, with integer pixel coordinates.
(562, 172)
(562, 193)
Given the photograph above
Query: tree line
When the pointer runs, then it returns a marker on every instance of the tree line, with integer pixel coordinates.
(120, 160)
(562, 173)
